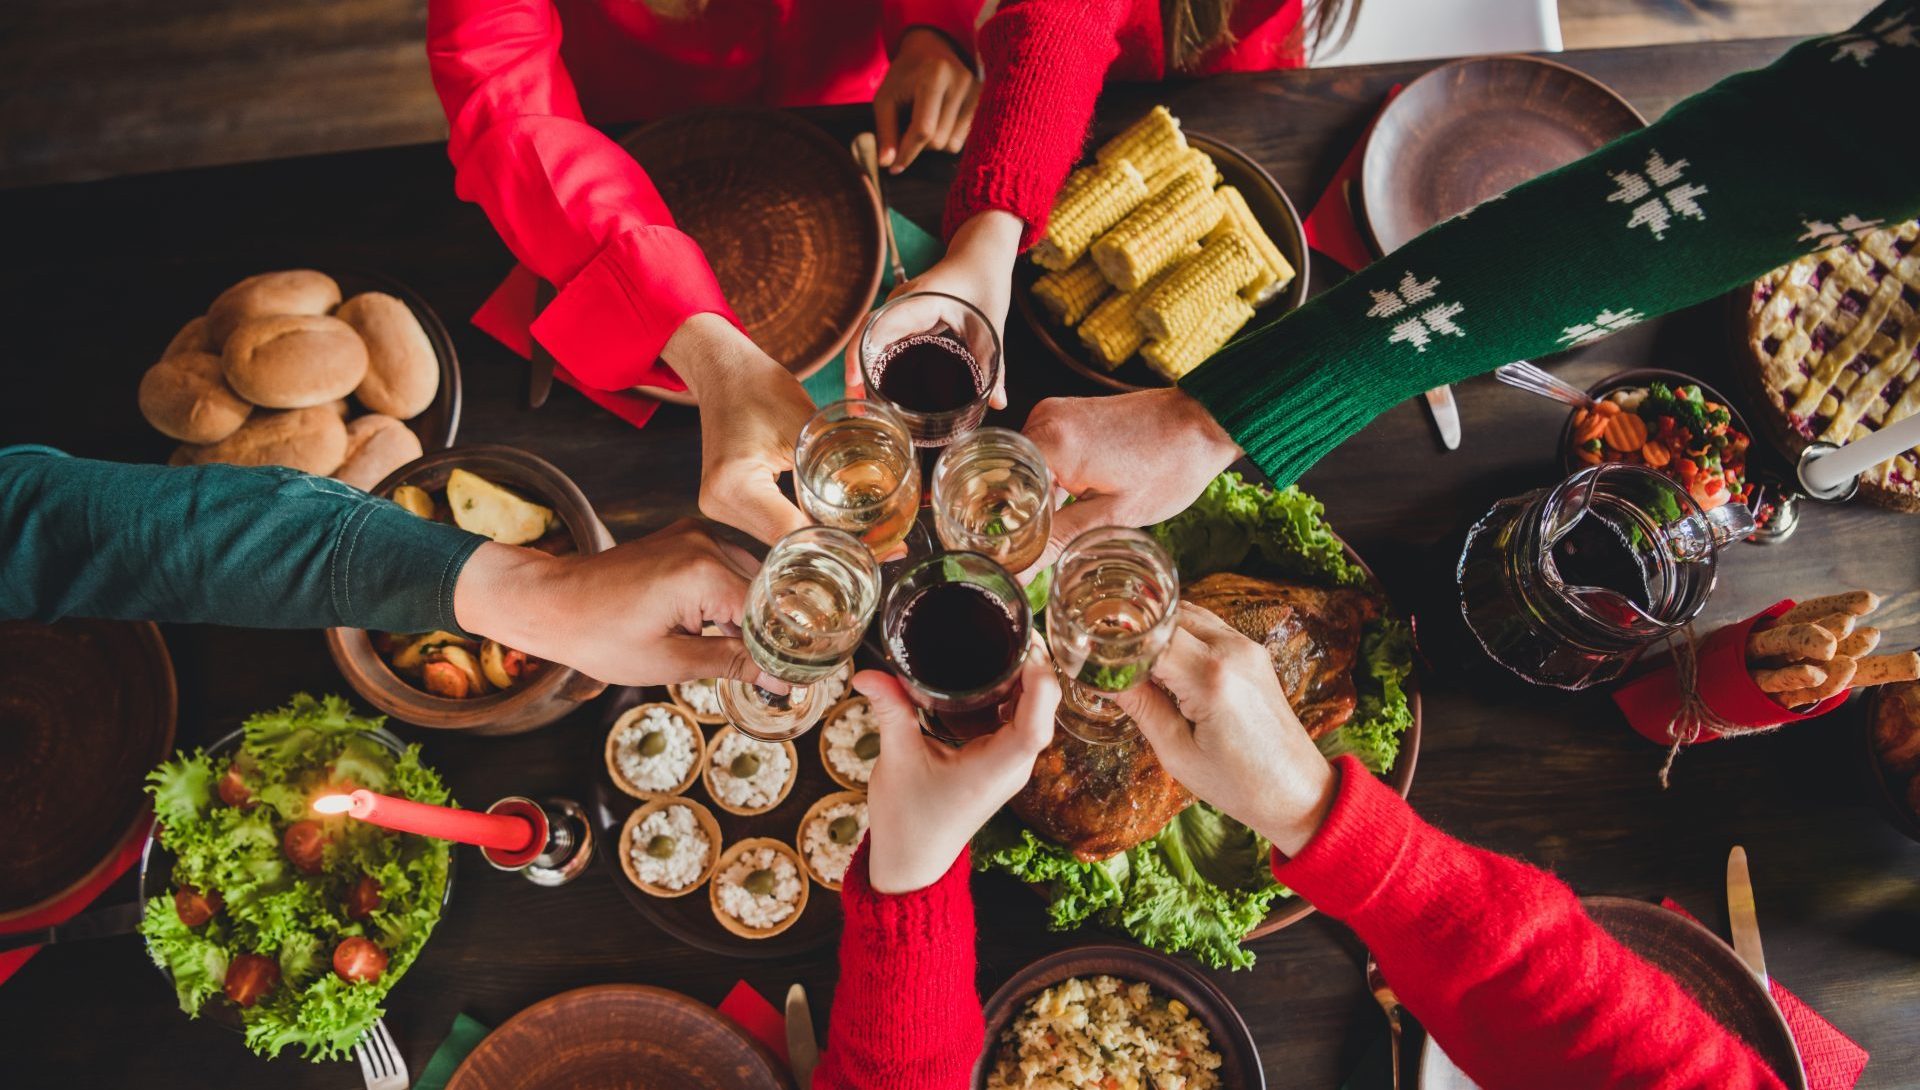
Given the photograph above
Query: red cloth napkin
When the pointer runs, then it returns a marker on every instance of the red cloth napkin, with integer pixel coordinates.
(1330, 227)
(1832, 1059)
(507, 316)
(758, 1017)
(71, 906)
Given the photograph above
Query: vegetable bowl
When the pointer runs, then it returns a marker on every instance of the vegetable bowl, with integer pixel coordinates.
(1671, 423)
(269, 919)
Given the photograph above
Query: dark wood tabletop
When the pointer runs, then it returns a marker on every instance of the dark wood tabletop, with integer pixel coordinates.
(99, 276)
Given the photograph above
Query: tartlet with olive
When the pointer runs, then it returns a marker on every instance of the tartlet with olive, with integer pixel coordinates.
(746, 776)
(759, 888)
(670, 847)
(849, 743)
(829, 833)
(654, 750)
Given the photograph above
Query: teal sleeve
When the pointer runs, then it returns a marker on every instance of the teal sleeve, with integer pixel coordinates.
(1733, 182)
(252, 547)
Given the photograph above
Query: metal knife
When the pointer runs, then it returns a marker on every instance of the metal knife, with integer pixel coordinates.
(540, 379)
(99, 924)
(802, 1052)
(1445, 414)
(1746, 929)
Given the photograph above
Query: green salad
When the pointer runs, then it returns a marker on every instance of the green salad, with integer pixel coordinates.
(1202, 883)
(300, 922)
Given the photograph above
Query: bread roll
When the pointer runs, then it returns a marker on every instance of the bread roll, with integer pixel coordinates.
(191, 338)
(312, 440)
(185, 396)
(294, 291)
(377, 445)
(186, 454)
(403, 374)
(292, 361)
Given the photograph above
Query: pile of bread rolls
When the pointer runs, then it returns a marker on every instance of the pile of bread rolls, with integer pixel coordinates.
(264, 376)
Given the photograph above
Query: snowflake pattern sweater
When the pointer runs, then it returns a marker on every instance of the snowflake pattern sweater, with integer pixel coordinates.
(1717, 192)
(1495, 958)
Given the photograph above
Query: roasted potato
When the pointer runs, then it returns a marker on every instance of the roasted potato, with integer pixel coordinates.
(414, 652)
(503, 666)
(414, 499)
(485, 508)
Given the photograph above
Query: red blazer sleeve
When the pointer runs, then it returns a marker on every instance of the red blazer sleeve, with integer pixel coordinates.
(569, 203)
(905, 1013)
(1500, 963)
(1045, 61)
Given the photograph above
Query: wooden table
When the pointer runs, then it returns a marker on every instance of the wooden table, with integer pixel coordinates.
(99, 276)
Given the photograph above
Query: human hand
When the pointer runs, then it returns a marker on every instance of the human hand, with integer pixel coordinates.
(943, 92)
(1232, 738)
(1127, 459)
(927, 799)
(751, 412)
(978, 268)
(630, 616)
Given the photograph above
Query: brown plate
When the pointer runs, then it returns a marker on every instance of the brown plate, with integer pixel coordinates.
(797, 249)
(1226, 1030)
(1476, 127)
(619, 1037)
(86, 709)
(1270, 206)
(690, 919)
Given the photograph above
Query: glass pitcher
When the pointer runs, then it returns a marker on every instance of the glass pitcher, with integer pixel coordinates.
(1568, 585)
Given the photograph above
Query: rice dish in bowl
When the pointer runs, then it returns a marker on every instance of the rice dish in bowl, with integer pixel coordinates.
(1100, 1031)
(653, 750)
(758, 889)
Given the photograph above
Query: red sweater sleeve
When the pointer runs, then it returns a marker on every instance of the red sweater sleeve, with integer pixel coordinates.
(1500, 963)
(905, 1013)
(954, 18)
(1045, 61)
(569, 203)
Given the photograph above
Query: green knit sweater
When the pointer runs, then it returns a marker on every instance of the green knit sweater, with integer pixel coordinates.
(1743, 177)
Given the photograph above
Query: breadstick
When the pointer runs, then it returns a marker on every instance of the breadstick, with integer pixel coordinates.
(1861, 643)
(1857, 602)
(1839, 675)
(1787, 679)
(1840, 624)
(1794, 641)
(1883, 669)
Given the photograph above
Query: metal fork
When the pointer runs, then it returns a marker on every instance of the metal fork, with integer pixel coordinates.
(1534, 380)
(1389, 1003)
(381, 1064)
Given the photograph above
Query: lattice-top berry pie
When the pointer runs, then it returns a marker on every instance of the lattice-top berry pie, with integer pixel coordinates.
(1836, 337)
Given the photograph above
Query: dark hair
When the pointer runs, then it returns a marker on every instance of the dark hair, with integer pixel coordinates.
(1196, 27)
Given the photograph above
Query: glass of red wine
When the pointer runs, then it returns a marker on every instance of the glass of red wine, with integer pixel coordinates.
(935, 359)
(956, 627)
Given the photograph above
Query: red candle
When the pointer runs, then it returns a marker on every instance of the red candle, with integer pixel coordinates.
(502, 832)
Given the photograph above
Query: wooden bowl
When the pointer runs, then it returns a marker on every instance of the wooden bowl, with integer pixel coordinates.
(558, 689)
(1227, 1032)
(797, 249)
(701, 815)
(1886, 787)
(706, 775)
(682, 716)
(741, 848)
(706, 719)
(834, 713)
(1270, 206)
(814, 811)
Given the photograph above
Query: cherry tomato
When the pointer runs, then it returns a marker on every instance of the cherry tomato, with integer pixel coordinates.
(250, 976)
(445, 679)
(305, 843)
(195, 908)
(234, 790)
(365, 898)
(357, 959)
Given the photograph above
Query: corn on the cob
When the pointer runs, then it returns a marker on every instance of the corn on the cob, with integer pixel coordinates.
(1070, 293)
(1094, 199)
(1112, 331)
(1191, 161)
(1155, 233)
(1199, 285)
(1239, 219)
(1174, 358)
(1149, 143)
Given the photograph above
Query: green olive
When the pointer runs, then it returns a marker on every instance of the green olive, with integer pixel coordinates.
(652, 743)
(867, 746)
(661, 847)
(842, 830)
(744, 766)
(759, 883)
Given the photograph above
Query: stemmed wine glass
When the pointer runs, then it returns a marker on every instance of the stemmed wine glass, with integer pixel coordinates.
(855, 470)
(807, 608)
(1110, 613)
(993, 494)
(956, 627)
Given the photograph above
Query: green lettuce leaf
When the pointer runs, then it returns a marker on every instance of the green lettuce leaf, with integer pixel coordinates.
(1384, 712)
(182, 788)
(197, 961)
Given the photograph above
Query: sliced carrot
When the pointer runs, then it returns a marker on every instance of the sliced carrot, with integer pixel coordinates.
(1608, 408)
(1591, 457)
(1655, 454)
(1590, 428)
(1625, 432)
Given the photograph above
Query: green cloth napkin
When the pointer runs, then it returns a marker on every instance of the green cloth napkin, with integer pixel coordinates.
(918, 251)
(463, 1038)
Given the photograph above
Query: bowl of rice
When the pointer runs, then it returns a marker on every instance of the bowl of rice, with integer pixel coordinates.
(747, 776)
(654, 750)
(1103, 1016)
(832, 828)
(758, 888)
(670, 846)
(850, 743)
(700, 699)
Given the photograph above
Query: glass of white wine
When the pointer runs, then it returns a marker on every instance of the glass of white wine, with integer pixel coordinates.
(855, 471)
(1110, 612)
(993, 495)
(807, 609)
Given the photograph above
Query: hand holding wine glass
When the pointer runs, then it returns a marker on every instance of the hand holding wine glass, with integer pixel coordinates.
(967, 292)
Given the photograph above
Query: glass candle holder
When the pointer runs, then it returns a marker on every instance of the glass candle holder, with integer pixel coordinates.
(956, 627)
(1110, 613)
(934, 358)
(993, 494)
(855, 470)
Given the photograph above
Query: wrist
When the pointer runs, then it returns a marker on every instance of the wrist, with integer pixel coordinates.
(708, 351)
(1189, 417)
(990, 237)
(1298, 811)
(896, 869)
(508, 594)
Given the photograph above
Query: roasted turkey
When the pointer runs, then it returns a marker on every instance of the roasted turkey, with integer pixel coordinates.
(1098, 801)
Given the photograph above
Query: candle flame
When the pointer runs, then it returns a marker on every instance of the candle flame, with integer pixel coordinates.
(333, 804)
